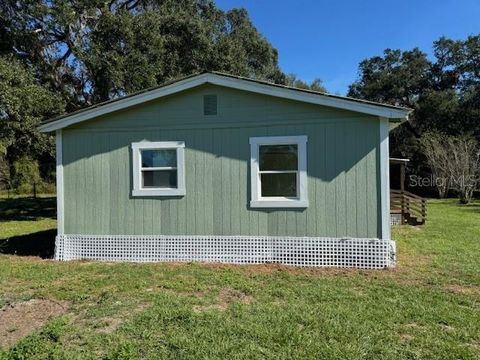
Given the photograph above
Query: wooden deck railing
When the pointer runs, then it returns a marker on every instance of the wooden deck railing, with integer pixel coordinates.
(411, 207)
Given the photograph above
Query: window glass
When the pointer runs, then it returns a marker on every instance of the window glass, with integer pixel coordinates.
(278, 166)
(280, 184)
(159, 178)
(159, 158)
(278, 157)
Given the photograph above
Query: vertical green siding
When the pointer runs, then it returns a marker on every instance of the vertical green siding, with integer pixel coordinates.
(342, 169)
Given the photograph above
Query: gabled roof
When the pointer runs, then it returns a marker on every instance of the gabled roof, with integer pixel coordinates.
(394, 113)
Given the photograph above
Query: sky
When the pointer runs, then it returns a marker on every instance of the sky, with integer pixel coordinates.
(327, 39)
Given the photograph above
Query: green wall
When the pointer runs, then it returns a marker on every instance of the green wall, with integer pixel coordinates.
(342, 169)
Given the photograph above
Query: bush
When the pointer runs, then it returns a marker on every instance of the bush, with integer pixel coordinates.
(25, 171)
(24, 178)
(41, 187)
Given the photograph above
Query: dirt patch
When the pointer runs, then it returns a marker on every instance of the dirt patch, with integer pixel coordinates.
(406, 337)
(406, 330)
(464, 289)
(269, 269)
(279, 302)
(197, 294)
(413, 326)
(22, 319)
(203, 308)
(447, 328)
(404, 264)
(475, 345)
(109, 325)
(229, 296)
(226, 297)
(406, 260)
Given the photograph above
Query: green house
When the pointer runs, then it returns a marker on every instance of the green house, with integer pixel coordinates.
(215, 167)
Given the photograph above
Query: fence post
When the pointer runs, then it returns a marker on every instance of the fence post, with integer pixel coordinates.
(402, 215)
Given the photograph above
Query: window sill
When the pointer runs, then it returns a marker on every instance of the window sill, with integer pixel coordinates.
(158, 192)
(300, 204)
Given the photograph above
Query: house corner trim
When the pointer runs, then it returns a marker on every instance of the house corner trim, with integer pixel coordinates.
(384, 178)
(59, 173)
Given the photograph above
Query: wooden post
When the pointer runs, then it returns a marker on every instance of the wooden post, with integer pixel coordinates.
(402, 191)
(402, 177)
(424, 210)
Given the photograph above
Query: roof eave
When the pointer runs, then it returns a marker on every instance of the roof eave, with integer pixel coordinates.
(394, 114)
(124, 103)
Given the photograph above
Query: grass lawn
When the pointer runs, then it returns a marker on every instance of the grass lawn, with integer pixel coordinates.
(427, 307)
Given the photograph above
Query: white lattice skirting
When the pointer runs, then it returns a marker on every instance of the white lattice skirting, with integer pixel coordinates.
(297, 251)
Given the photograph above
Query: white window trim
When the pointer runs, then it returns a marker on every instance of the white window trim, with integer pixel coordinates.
(257, 201)
(137, 190)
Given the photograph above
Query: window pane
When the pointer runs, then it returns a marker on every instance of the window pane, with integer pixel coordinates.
(159, 179)
(278, 157)
(279, 185)
(159, 158)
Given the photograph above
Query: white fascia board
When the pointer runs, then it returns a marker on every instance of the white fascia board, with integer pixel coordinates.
(234, 83)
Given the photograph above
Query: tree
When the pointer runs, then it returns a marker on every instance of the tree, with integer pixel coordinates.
(23, 105)
(91, 51)
(455, 163)
(444, 93)
(315, 85)
(438, 159)
(465, 165)
(396, 78)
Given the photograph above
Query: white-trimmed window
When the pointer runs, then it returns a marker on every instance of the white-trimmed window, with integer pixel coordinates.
(278, 167)
(158, 168)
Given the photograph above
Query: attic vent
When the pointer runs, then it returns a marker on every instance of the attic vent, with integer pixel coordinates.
(209, 104)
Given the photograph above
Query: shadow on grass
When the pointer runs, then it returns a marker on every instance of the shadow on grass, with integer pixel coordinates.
(27, 208)
(40, 244)
(473, 207)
